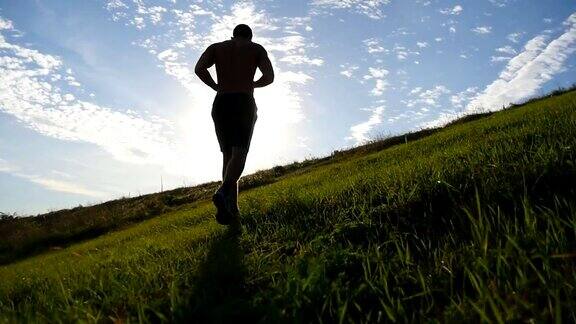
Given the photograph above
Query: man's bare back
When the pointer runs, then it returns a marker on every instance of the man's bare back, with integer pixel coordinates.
(236, 62)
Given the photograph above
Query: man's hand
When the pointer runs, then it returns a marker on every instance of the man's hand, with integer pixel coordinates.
(201, 69)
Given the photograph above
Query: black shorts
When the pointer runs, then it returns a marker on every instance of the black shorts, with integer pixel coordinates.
(234, 116)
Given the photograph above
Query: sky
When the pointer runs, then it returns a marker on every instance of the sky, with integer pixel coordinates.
(99, 100)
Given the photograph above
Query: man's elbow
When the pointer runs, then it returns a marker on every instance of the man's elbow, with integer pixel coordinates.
(270, 78)
(198, 70)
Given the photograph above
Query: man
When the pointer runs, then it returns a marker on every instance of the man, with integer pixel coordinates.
(234, 109)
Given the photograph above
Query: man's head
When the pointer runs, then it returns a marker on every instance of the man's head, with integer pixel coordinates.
(242, 31)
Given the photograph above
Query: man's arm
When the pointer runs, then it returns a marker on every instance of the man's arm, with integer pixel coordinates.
(205, 61)
(265, 67)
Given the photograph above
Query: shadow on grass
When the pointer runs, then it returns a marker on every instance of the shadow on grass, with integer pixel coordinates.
(220, 295)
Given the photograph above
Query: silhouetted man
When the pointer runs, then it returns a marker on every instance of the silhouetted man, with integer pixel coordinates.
(234, 109)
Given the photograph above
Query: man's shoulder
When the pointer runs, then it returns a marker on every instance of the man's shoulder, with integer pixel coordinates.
(258, 46)
(259, 49)
(218, 44)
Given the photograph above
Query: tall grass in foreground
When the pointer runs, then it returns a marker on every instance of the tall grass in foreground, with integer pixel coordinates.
(474, 223)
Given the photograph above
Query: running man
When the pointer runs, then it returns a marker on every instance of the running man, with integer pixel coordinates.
(234, 110)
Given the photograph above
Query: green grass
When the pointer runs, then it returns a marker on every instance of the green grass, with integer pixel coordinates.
(476, 222)
(21, 237)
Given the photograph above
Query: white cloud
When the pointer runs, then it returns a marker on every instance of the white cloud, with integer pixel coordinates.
(294, 77)
(346, 73)
(359, 132)
(379, 87)
(154, 14)
(423, 98)
(522, 77)
(451, 24)
(72, 81)
(138, 22)
(500, 3)
(514, 37)
(529, 70)
(294, 23)
(6, 167)
(142, 15)
(68, 97)
(496, 59)
(452, 11)
(531, 50)
(168, 55)
(506, 50)
(375, 73)
(416, 90)
(51, 183)
(348, 70)
(5, 24)
(482, 30)
(115, 4)
(380, 84)
(301, 59)
(30, 93)
(422, 44)
(370, 8)
(458, 100)
(403, 52)
(443, 118)
(373, 46)
(65, 186)
(446, 115)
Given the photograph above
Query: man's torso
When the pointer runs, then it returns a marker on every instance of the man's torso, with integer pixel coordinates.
(236, 63)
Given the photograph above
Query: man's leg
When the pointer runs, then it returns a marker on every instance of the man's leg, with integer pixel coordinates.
(234, 171)
(226, 155)
(219, 198)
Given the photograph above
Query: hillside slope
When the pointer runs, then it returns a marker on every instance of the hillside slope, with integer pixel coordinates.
(475, 222)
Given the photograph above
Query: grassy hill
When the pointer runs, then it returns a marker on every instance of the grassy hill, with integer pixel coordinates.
(472, 222)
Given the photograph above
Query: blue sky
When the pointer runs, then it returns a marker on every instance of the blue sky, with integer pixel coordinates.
(98, 99)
